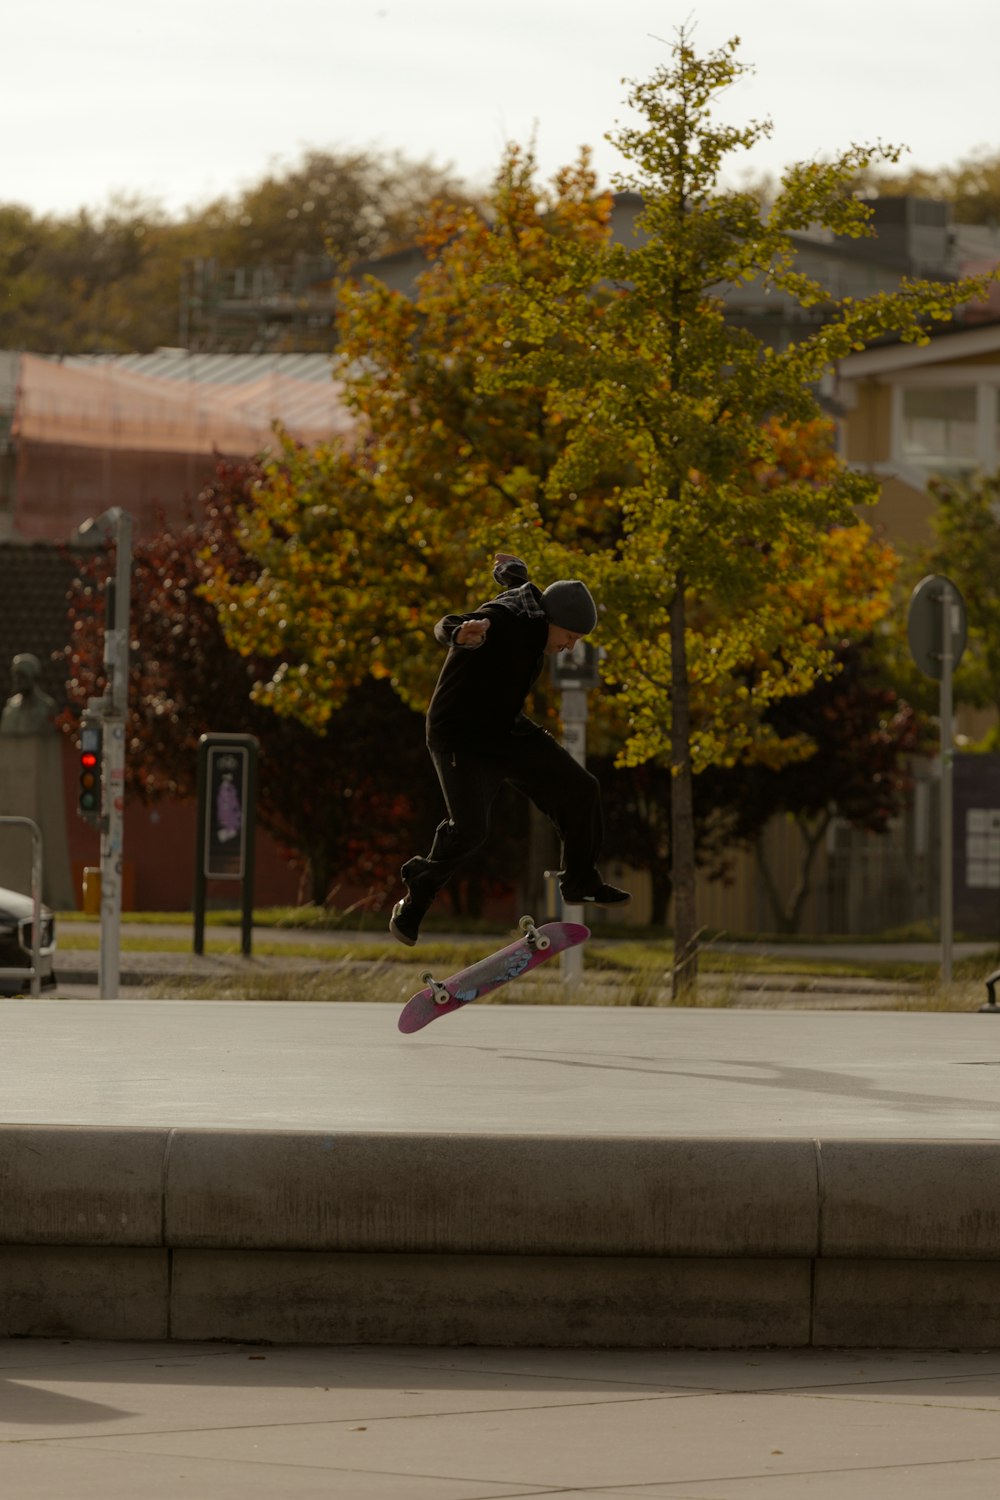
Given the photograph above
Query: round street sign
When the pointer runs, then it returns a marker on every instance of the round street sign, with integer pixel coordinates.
(925, 624)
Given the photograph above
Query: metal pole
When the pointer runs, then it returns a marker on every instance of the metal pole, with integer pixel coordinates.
(574, 738)
(945, 709)
(249, 850)
(200, 844)
(36, 910)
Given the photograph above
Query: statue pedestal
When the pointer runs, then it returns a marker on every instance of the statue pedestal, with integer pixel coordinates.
(31, 786)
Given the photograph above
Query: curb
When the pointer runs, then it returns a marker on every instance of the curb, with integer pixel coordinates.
(311, 1237)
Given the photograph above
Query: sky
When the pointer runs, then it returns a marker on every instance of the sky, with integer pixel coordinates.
(183, 102)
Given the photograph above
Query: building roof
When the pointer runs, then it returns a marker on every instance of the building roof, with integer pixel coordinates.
(174, 401)
(954, 341)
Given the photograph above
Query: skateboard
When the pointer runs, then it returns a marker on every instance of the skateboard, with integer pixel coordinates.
(531, 949)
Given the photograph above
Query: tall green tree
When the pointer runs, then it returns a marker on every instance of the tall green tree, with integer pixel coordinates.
(633, 346)
(586, 404)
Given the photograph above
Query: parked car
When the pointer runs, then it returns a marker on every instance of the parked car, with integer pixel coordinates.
(16, 914)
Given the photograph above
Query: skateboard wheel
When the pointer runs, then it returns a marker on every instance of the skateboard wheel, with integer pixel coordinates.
(526, 924)
(427, 977)
(541, 943)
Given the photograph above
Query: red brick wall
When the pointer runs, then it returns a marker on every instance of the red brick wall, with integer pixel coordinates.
(59, 487)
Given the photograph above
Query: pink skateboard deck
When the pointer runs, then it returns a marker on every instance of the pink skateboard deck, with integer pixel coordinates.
(489, 974)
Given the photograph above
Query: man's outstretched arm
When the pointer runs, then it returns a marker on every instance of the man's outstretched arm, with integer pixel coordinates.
(468, 631)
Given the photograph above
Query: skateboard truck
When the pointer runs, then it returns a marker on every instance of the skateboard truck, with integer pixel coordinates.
(440, 991)
(533, 937)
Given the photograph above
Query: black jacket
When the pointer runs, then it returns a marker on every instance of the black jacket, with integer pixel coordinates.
(478, 703)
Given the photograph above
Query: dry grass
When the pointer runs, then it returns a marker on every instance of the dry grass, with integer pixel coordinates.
(392, 981)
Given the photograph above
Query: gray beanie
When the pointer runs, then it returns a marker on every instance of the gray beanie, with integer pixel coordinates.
(569, 604)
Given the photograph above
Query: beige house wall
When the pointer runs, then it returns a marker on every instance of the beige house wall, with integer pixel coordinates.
(903, 513)
(867, 427)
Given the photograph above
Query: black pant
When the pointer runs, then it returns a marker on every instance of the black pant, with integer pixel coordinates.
(536, 765)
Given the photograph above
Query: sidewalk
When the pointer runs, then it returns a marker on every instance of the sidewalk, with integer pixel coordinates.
(238, 1422)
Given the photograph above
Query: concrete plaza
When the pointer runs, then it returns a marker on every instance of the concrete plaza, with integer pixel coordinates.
(263, 1249)
(503, 1070)
(234, 1422)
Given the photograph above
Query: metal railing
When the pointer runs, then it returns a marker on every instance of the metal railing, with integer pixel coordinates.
(34, 972)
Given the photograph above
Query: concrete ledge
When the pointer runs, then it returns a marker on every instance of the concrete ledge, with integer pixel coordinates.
(934, 1199)
(75, 1185)
(520, 1195)
(551, 1301)
(907, 1304)
(305, 1236)
(51, 1291)
(548, 1301)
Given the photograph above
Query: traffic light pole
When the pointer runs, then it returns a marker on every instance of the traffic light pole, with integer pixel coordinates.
(102, 741)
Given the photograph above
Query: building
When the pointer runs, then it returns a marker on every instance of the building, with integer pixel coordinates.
(910, 411)
(80, 435)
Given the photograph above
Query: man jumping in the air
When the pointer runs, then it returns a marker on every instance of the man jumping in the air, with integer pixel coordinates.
(479, 737)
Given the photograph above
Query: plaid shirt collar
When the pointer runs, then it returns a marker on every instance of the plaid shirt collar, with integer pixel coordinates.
(525, 601)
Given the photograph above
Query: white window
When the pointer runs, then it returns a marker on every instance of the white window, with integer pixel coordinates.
(939, 430)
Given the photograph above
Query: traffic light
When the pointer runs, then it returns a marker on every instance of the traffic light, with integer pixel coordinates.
(91, 768)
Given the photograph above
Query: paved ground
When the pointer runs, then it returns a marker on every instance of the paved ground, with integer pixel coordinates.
(546, 1069)
(233, 1422)
(171, 1421)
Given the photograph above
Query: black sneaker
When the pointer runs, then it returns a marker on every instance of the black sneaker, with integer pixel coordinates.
(404, 924)
(601, 895)
(408, 914)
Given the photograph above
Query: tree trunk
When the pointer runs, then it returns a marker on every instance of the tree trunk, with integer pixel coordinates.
(320, 874)
(685, 974)
(812, 838)
(788, 914)
(660, 882)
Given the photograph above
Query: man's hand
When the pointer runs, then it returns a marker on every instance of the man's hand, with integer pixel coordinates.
(471, 633)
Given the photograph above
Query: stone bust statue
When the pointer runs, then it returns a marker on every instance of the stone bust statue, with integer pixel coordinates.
(28, 710)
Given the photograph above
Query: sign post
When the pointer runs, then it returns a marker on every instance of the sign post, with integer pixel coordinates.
(227, 815)
(936, 628)
(574, 673)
